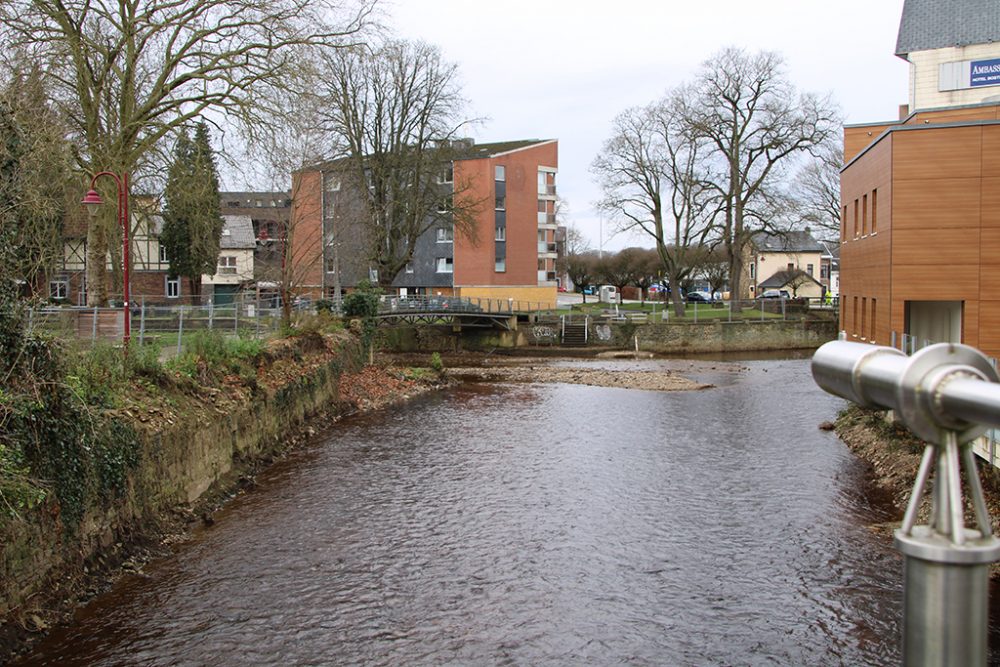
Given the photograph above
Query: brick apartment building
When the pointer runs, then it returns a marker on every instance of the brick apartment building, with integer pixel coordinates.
(920, 218)
(511, 255)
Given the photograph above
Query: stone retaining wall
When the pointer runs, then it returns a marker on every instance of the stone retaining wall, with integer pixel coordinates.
(177, 466)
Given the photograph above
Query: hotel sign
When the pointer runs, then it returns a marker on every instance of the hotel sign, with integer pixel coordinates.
(984, 73)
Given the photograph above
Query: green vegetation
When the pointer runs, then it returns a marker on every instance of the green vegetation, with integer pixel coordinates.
(437, 365)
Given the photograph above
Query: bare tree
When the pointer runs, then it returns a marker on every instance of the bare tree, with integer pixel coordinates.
(757, 125)
(397, 110)
(817, 188)
(649, 171)
(128, 73)
(581, 268)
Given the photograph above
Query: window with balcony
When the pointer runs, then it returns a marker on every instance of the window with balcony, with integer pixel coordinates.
(501, 233)
(445, 265)
(501, 204)
(445, 235)
(546, 183)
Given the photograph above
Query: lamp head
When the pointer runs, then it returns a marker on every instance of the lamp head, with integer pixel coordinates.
(93, 202)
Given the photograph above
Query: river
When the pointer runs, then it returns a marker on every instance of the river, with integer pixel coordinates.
(516, 524)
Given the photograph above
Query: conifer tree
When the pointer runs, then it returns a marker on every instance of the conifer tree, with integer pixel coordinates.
(192, 222)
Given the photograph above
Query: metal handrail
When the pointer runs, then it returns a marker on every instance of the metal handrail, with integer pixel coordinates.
(948, 395)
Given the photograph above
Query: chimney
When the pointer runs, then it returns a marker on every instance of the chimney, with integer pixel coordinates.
(904, 111)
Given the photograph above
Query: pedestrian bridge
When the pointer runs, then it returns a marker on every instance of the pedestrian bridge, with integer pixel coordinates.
(455, 311)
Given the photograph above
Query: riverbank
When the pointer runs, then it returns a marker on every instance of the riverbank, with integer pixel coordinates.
(199, 442)
(895, 454)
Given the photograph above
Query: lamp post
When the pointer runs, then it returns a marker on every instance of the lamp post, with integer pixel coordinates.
(92, 200)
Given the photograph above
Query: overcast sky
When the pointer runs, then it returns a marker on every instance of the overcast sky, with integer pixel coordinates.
(563, 69)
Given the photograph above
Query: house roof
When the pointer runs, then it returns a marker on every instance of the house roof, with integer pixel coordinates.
(478, 151)
(787, 242)
(240, 233)
(936, 24)
(784, 277)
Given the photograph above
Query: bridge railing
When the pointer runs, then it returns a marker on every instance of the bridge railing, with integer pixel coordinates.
(423, 303)
(946, 394)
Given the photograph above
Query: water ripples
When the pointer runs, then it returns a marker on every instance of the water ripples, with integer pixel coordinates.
(535, 525)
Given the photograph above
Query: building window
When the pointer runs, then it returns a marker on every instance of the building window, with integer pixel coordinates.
(791, 267)
(163, 255)
(501, 265)
(409, 267)
(227, 265)
(332, 185)
(58, 289)
(864, 316)
(447, 174)
(864, 215)
(445, 265)
(546, 183)
(444, 205)
(809, 269)
(501, 204)
(173, 288)
(445, 235)
(871, 336)
(854, 317)
(499, 173)
(501, 234)
(843, 224)
(874, 211)
(856, 218)
(331, 265)
(753, 270)
(259, 203)
(824, 271)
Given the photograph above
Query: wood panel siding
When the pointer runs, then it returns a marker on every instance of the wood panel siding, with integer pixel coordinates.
(929, 153)
(935, 246)
(991, 151)
(857, 139)
(936, 203)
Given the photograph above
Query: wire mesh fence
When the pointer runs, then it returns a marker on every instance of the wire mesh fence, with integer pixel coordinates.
(166, 326)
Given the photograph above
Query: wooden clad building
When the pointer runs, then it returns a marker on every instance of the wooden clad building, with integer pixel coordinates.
(920, 216)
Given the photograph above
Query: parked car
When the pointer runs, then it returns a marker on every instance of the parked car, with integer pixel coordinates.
(698, 297)
(589, 291)
(562, 288)
(775, 294)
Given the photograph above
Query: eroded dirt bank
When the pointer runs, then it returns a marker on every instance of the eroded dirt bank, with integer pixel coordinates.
(894, 454)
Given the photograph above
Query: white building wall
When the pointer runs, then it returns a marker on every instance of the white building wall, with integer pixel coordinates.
(244, 269)
(925, 69)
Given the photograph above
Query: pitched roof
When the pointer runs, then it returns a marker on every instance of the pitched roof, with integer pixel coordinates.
(240, 236)
(787, 242)
(936, 24)
(478, 151)
(784, 277)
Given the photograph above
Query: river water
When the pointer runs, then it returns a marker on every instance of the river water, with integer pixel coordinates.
(503, 524)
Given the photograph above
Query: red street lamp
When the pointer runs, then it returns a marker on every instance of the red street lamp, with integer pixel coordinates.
(92, 200)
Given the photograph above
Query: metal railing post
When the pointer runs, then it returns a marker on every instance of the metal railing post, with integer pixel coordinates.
(948, 395)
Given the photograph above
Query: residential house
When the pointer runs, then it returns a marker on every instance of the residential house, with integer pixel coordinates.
(235, 268)
(792, 259)
(829, 267)
(920, 217)
(509, 254)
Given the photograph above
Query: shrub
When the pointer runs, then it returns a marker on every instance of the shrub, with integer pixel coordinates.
(436, 363)
(362, 302)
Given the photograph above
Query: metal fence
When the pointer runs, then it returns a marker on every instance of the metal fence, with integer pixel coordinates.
(166, 326)
(727, 311)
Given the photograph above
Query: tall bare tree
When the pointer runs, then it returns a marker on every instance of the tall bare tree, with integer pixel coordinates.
(757, 125)
(397, 110)
(130, 72)
(817, 188)
(650, 173)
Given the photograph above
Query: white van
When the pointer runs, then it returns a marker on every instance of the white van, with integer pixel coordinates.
(609, 294)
